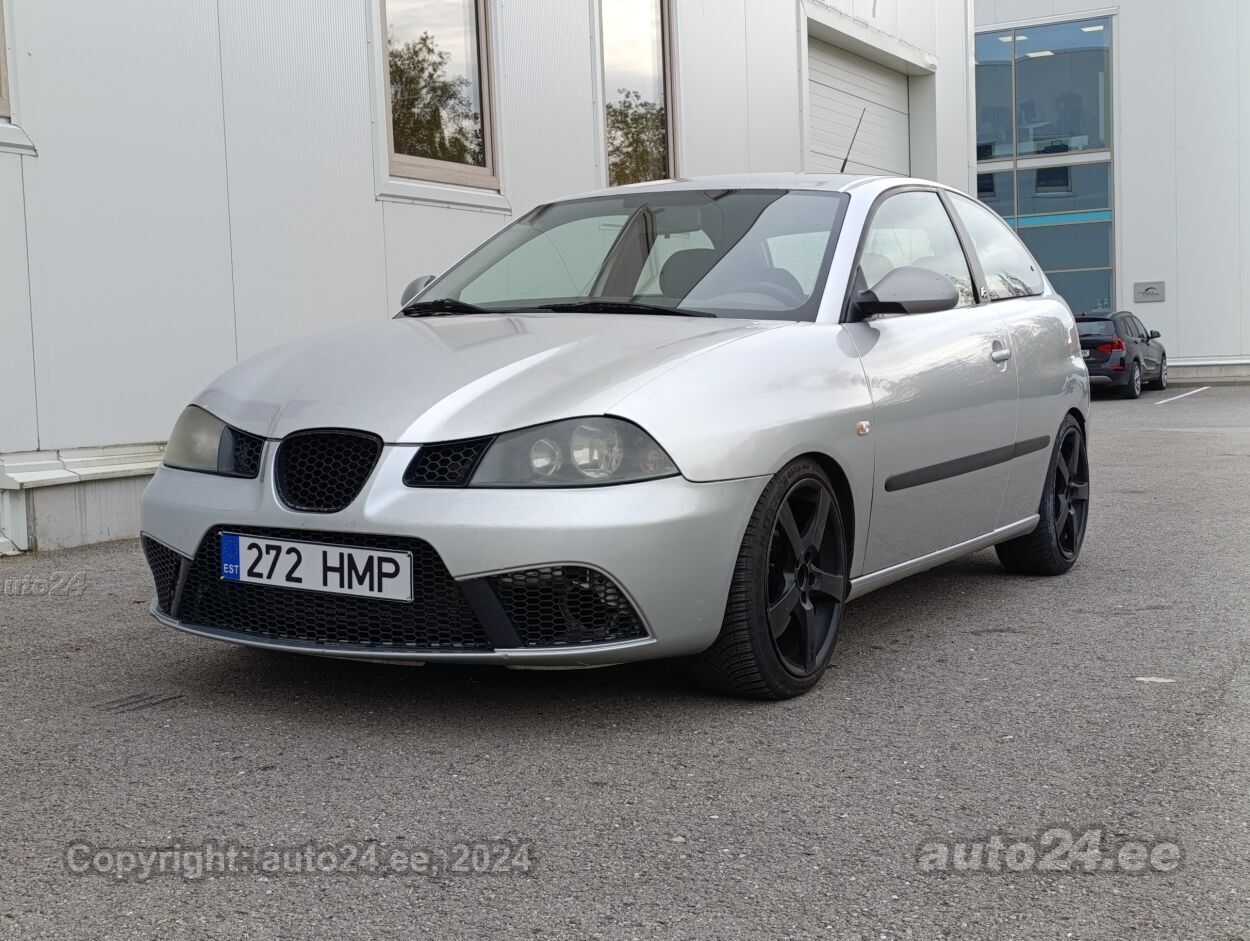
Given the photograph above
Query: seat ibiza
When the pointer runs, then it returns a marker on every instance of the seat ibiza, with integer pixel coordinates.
(693, 419)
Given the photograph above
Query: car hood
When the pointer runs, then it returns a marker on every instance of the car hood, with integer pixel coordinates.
(413, 380)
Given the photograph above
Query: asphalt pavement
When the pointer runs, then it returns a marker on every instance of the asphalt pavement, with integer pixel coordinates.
(964, 706)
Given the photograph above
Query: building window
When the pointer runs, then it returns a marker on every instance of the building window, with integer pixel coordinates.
(994, 96)
(637, 115)
(6, 109)
(1044, 89)
(1063, 89)
(439, 80)
(1042, 92)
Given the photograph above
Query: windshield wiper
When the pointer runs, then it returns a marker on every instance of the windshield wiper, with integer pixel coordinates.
(620, 307)
(443, 305)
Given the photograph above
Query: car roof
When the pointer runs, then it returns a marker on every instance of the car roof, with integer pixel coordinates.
(828, 182)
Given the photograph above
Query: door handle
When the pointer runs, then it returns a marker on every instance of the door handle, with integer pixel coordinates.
(1000, 354)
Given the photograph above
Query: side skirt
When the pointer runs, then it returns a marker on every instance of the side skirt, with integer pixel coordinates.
(879, 579)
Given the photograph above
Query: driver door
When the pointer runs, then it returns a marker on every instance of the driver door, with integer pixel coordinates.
(944, 393)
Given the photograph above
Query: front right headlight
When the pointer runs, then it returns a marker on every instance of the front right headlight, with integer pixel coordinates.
(203, 442)
(578, 452)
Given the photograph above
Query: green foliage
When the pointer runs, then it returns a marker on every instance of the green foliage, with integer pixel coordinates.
(432, 113)
(637, 140)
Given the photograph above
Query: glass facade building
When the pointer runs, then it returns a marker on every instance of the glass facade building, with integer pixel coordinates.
(1044, 149)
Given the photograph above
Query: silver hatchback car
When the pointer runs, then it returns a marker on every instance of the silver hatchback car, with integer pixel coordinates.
(693, 418)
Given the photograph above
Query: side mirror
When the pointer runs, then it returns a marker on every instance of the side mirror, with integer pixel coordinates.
(1154, 334)
(908, 290)
(415, 287)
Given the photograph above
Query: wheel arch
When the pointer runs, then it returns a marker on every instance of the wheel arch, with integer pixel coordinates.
(842, 490)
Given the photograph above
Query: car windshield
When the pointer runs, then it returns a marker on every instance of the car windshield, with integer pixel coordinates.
(727, 253)
(1095, 328)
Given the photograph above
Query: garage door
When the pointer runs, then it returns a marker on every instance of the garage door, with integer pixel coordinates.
(841, 87)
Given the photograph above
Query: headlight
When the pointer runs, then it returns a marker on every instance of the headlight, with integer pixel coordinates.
(203, 442)
(579, 452)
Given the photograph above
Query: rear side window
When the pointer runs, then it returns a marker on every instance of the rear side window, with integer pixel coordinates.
(1095, 328)
(1010, 270)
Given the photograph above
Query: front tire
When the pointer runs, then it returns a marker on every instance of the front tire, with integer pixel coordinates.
(1052, 548)
(1132, 388)
(786, 597)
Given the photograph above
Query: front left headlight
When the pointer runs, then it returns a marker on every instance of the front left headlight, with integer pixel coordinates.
(577, 452)
(203, 442)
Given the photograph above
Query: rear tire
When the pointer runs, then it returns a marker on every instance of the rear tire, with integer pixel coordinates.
(1162, 382)
(785, 600)
(1132, 388)
(1053, 547)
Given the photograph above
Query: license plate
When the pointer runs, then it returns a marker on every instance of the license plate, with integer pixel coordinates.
(1085, 353)
(312, 566)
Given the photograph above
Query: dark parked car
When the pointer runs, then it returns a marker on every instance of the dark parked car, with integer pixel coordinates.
(1119, 351)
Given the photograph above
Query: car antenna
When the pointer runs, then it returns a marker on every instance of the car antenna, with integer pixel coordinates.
(852, 144)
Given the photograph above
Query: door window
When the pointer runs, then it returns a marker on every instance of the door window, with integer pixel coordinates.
(913, 230)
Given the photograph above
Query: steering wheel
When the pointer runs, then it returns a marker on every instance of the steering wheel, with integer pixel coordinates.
(777, 292)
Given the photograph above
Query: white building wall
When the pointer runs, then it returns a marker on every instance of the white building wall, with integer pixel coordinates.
(185, 184)
(1181, 116)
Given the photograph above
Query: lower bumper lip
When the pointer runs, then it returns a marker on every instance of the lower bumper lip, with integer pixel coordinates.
(588, 656)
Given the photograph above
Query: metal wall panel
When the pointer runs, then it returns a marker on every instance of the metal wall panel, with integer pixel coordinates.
(546, 105)
(305, 228)
(126, 211)
(714, 131)
(18, 429)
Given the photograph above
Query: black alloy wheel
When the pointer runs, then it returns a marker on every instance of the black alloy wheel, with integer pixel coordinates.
(804, 590)
(787, 593)
(1053, 546)
(1071, 493)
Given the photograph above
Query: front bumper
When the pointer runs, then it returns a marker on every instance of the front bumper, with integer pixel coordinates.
(670, 545)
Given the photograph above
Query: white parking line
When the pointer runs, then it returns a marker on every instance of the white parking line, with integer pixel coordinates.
(1182, 395)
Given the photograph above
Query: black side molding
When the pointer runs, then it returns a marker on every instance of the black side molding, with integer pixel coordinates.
(964, 465)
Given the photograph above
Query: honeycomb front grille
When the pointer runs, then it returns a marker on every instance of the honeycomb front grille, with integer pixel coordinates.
(446, 464)
(165, 565)
(438, 618)
(566, 605)
(323, 471)
(245, 453)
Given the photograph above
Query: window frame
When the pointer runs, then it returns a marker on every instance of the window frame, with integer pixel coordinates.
(406, 167)
(667, 59)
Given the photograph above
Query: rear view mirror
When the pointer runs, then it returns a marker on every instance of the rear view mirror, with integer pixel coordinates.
(678, 220)
(1155, 334)
(415, 287)
(908, 290)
